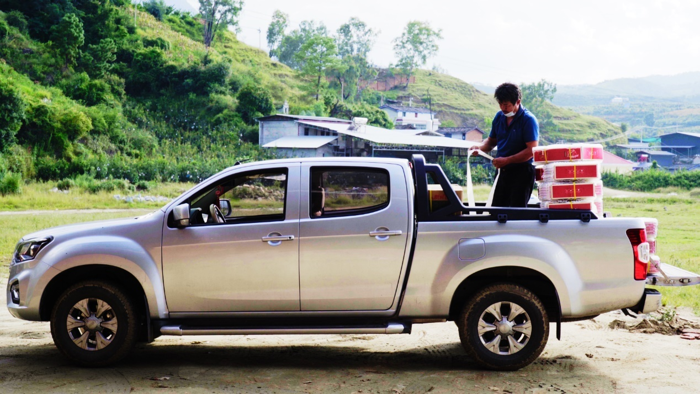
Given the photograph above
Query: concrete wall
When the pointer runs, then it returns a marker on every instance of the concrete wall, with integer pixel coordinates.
(274, 130)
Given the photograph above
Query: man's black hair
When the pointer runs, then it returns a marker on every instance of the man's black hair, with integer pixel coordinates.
(508, 92)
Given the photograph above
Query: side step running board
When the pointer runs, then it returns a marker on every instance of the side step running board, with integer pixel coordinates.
(391, 328)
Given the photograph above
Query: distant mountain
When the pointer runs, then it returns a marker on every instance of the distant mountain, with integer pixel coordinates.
(488, 89)
(681, 88)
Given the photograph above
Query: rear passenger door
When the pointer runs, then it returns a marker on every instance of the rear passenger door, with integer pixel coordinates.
(353, 230)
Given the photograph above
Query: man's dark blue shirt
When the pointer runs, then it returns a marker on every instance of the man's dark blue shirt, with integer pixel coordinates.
(512, 139)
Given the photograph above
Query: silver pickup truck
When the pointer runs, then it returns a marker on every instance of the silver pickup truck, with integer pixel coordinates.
(331, 246)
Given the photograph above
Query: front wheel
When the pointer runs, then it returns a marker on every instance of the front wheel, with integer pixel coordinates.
(94, 324)
(504, 327)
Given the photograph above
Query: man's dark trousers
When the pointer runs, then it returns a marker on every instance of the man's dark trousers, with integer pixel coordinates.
(514, 185)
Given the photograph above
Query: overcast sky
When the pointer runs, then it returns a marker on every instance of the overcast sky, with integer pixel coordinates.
(565, 42)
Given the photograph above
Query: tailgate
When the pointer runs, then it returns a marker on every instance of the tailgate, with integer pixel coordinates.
(669, 275)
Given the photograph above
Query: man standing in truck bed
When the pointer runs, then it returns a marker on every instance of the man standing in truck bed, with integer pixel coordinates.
(515, 132)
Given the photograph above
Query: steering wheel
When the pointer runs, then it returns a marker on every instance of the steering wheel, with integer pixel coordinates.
(216, 214)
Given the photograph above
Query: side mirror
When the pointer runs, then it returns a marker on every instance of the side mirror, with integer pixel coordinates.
(181, 214)
(225, 206)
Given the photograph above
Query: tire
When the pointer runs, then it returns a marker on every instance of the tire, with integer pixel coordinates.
(516, 348)
(103, 335)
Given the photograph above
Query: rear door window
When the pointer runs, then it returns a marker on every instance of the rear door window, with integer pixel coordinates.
(347, 191)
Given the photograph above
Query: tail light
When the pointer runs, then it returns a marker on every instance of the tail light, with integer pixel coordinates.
(640, 247)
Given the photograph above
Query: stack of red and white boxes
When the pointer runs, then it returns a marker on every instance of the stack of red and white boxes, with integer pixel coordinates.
(568, 176)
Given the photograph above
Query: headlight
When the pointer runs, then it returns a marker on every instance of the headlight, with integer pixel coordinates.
(28, 250)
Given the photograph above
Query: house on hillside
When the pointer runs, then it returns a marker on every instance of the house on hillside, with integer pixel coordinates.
(315, 136)
(463, 133)
(420, 118)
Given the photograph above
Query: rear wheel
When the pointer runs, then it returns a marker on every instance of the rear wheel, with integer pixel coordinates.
(94, 324)
(504, 327)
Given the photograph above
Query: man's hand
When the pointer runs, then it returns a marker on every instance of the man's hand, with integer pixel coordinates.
(473, 150)
(500, 162)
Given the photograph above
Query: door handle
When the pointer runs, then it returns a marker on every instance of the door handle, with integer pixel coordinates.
(384, 233)
(277, 238)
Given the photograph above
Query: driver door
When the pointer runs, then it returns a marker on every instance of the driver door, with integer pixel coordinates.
(248, 263)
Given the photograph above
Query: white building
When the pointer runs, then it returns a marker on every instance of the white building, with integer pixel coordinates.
(420, 118)
(310, 136)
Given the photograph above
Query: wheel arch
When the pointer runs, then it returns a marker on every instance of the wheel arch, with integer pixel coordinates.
(110, 274)
(530, 279)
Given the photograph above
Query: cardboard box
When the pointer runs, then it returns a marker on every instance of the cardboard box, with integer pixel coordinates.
(437, 197)
(570, 190)
(573, 152)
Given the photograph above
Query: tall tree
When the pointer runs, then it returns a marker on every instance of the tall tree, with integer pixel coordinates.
(417, 43)
(291, 44)
(316, 56)
(67, 37)
(275, 32)
(535, 97)
(218, 14)
(355, 38)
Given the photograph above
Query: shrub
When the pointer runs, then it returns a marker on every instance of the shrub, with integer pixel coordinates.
(12, 113)
(695, 192)
(4, 30)
(16, 18)
(65, 184)
(157, 8)
(142, 185)
(11, 183)
(254, 101)
(158, 42)
(20, 161)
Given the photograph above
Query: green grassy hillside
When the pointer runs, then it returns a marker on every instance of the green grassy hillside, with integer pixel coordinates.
(456, 100)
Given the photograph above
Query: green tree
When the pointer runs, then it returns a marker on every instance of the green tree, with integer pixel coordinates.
(291, 43)
(16, 18)
(649, 119)
(98, 59)
(417, 43)
(157, 8)
(316, 56)
(355, 38)
(253, 102)
(12, 114)
(275, 32)
(67, 37)
(218, 14)
(624, 127)
(535, 98)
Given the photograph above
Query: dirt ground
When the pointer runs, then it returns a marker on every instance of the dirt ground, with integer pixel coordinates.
(590, 358)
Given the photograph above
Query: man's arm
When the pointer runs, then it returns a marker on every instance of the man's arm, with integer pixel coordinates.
(520, 157)
(487, 146)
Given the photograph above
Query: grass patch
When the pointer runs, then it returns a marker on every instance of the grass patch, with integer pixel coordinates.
(39, 196)
(678, 241)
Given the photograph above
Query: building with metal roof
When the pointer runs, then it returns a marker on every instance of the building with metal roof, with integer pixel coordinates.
(420, 118)
(307, 136)
(681, 143)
